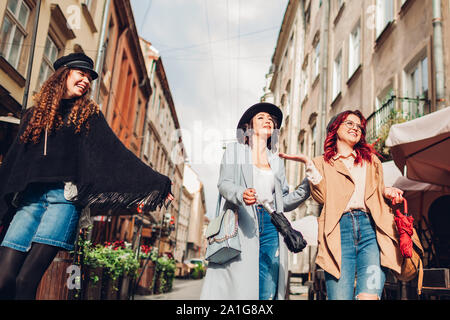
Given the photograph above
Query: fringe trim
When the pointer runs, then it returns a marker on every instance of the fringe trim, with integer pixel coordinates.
(116, 200)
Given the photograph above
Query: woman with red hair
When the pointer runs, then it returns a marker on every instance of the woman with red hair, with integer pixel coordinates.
(357, 234)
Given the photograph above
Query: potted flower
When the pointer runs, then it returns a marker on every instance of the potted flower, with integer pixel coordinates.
(165, 273)
(147, 256)
(118, 262)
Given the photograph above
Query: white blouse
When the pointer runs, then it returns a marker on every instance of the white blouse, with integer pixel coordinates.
(358, 174)
(264, 184)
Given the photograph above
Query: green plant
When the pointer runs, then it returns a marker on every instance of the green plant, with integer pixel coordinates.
(394, 117)
(198, 271)
(117, 259)
(165, 269)
(148, 252)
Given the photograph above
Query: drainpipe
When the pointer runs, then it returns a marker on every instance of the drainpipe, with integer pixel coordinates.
(101, 51)
(438, 54)
(324, 72)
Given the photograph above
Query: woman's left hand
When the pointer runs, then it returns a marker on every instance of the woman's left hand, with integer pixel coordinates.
(170, 197)
(393, 194)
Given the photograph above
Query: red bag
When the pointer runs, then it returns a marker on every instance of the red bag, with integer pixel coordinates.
(410, 247)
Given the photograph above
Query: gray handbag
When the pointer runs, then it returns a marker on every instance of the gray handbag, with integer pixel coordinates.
(222, 236)
(222, 233)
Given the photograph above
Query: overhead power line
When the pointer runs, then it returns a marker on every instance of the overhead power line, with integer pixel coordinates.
(219, 40)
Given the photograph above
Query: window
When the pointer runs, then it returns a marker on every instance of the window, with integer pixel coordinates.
(316, 62)
(287, 99)
(51, 52)
(384, 104)
(337, 71)
(13, 31)
(313, 140)
(137, 117)
(384, 15)
(354, 56)
(159, 105)
(291, 47)
(90, 4)
(305, 83)
(161, 115)
(147, 142)
(416, 88)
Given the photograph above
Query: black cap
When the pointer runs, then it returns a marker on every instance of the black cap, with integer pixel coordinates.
(77, 60)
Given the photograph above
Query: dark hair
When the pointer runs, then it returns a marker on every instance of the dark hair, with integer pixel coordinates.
(273, 139)
(363, 150)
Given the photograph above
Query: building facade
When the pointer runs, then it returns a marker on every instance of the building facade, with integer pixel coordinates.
(195, 241)
(163, 147)
(390, 59)
(182, 227)
(122, 91)
(64, 26)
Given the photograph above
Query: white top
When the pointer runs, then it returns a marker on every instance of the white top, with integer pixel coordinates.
(358, 174)
(264, 184)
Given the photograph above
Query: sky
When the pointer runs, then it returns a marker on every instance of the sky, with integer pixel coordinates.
(216, 54)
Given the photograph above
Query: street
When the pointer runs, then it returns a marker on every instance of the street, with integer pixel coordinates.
(182, 290)
(191, 289)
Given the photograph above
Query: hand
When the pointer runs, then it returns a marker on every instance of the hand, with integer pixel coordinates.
(170, 197)
(393, 194)
(300, 158)
(249, 196)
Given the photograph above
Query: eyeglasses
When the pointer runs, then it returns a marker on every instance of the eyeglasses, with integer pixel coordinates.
(350, 124)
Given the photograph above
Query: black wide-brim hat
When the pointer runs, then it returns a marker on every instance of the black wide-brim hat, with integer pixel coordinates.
(77, 60)
(261, 107)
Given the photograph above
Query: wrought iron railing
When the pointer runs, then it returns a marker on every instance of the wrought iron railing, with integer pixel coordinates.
(394, 110)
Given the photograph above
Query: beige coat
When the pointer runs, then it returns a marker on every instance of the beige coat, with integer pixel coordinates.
(334, 192)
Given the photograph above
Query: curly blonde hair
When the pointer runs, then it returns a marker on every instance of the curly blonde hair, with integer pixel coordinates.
(46, 112)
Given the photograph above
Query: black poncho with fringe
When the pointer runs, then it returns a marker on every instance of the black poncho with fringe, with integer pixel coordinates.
(106, 173)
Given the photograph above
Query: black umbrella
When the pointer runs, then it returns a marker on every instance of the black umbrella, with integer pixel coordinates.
(294, 239)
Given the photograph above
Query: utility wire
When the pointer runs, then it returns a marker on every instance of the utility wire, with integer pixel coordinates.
(239, 54)
(146, 14)
(229, 61)
(210, 53)
(220, 40)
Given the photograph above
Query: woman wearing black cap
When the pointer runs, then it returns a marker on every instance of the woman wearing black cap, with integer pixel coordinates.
(64, 158)
(252, 174)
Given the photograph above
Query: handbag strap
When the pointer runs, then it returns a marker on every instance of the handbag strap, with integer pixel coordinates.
(236, 173)
(218, 204)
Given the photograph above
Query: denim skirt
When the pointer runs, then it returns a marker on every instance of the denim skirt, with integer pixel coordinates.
(43, 216)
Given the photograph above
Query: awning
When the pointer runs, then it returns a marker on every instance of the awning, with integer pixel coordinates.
(423, 146)
(393, 178)
(417, 193)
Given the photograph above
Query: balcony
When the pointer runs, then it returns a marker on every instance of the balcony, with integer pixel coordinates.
(393, 110)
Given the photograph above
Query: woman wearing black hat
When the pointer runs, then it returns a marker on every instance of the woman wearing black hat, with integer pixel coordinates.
(64, 158)
(252, 174)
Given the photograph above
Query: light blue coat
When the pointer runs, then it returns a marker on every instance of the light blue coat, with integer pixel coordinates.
(239, 278)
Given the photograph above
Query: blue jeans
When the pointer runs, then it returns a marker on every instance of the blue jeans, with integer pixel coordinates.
(360, 259)
(44, 216)
(269, 258)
